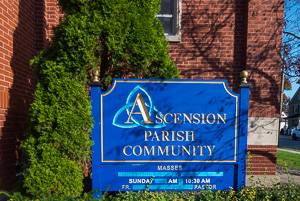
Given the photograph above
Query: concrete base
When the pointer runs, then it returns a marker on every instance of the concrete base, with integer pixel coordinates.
(262, 180)
(263, 131)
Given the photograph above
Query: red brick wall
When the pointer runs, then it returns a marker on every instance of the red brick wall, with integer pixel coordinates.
(207, 47)
(219, 39)
(53, 15)
(265, 20)
(17, 47)
(262, 159)
(26, 26)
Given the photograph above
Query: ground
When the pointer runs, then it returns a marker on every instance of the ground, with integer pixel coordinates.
(289, 153)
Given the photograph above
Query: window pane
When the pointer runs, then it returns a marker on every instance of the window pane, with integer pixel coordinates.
(167, 6)
(167, 24)
(168, 16)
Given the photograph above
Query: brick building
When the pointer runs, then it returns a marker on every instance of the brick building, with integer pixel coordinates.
(207, 40)
(294, 111)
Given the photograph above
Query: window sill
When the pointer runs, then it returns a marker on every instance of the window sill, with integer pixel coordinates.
(173, 38)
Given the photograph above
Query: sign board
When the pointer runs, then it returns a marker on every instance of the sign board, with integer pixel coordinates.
(168, 135)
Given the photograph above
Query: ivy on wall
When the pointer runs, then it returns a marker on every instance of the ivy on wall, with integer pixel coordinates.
(122, 38)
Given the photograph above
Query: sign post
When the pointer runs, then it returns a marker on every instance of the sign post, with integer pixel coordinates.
(168, 135)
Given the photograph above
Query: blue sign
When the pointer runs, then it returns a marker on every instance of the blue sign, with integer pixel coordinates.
(169, 135)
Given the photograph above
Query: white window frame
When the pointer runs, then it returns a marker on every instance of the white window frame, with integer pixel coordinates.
(176, 37)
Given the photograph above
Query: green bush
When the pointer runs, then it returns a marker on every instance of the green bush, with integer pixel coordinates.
(122, 38)
(59, 140)
(276, 193)
(286, 192)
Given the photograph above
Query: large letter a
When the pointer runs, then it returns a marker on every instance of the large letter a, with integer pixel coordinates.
(139, 101)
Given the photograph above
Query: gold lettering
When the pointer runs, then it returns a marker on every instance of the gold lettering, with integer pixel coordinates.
(177, 119)
(200, 150)
(148, 134)
(173, 136)
(189, 133)
(125, 148)
(208, 119)
(165, 118)
(162, 151)
(196, 118)
(203, 118)
(194, 150)
(143, 110)
(159, 120)
(173, 151)
(180, 136)
(211, 149)
(184, 149)
(135, 150)
(223, 119)
(165, 136)
(146, 150)
(155, 136)
(188, 118)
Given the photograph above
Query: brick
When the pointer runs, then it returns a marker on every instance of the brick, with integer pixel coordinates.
(219, 39)
(17, 33)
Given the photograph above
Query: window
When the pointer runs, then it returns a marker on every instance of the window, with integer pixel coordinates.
(169, 16)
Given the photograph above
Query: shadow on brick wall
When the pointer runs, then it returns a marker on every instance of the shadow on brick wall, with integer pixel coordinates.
(27, 40)
(220, 24)
(219, 40)
(222, 39)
